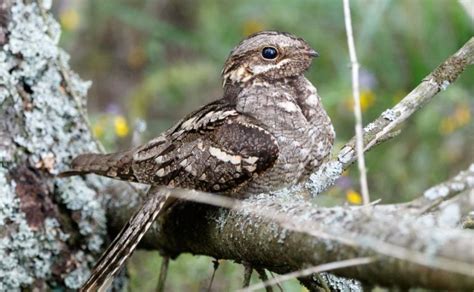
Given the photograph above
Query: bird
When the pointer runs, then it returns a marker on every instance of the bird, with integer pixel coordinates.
(268, 131)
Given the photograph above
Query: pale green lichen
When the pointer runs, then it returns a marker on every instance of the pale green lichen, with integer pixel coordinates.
(46, 121)
(326, 175)
(75, 278)
(25, 253)
(341, 284)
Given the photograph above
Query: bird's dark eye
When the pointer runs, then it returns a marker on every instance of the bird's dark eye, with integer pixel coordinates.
(269, 53)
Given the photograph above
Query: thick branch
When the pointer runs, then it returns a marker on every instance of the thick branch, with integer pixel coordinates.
(410, 252)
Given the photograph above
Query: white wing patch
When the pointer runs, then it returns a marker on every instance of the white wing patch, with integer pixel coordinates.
(188, 124)
(195, 123)
(221, 155)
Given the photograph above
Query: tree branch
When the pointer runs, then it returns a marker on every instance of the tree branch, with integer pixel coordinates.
(382, 128)
(265, 232)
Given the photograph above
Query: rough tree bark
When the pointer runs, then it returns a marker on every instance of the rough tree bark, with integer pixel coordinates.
(51, 230)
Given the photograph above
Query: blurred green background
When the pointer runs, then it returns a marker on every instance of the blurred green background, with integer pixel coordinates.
(157, 60)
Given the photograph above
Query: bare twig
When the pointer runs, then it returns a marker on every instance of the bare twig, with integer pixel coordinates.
(357, 111)
(263, 276)
(444, 191)
(215, 267)
(309, 271)
(163, 273)
(247, 274)
(278, 284)
(383, 127)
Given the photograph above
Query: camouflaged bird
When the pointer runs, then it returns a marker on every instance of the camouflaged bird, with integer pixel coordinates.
(268, 131)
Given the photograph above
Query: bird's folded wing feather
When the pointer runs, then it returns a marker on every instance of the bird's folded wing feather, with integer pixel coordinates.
(214, 149)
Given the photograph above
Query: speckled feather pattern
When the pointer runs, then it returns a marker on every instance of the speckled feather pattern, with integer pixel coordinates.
(268, 131)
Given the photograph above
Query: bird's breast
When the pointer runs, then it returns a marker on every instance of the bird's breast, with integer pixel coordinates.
(280, 114)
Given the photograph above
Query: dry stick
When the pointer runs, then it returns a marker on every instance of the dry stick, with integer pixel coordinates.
(215, 267)
(278, 284)
(444, 191)
(439, 79)
(309, 271)
(382, 128)
(357, 110)
(163, 273)
(247, 274)
(263, 276)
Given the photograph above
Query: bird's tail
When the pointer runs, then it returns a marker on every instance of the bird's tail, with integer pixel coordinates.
(126, 241)
(114, 165)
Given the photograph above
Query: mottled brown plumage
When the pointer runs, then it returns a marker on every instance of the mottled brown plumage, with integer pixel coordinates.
(268, 131)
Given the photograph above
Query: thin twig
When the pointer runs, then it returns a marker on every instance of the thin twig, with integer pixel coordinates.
(247, 274)
(277, 284)
(357, 111)
(163, 273)
(312, 270)
(444, 191)
(215, 267)
(382, 128)
(264, 278)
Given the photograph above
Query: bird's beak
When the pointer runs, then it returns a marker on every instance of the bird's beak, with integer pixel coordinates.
(312, 53)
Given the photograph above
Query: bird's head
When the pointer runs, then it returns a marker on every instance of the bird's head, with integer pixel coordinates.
(268, 55)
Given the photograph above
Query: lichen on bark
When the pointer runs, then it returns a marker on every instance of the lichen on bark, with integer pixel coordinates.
(50, 229)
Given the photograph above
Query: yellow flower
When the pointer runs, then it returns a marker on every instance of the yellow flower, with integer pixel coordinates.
(456, 120)
(447, 125)
(353, 197)
(462, 115)
(252, 26)
(69, 19)
(367, 99)
(121, 126)
(98, 129)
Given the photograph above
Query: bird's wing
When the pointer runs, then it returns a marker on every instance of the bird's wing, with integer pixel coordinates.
(214, 149)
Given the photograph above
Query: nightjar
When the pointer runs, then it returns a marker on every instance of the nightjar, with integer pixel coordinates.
(268, 131)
